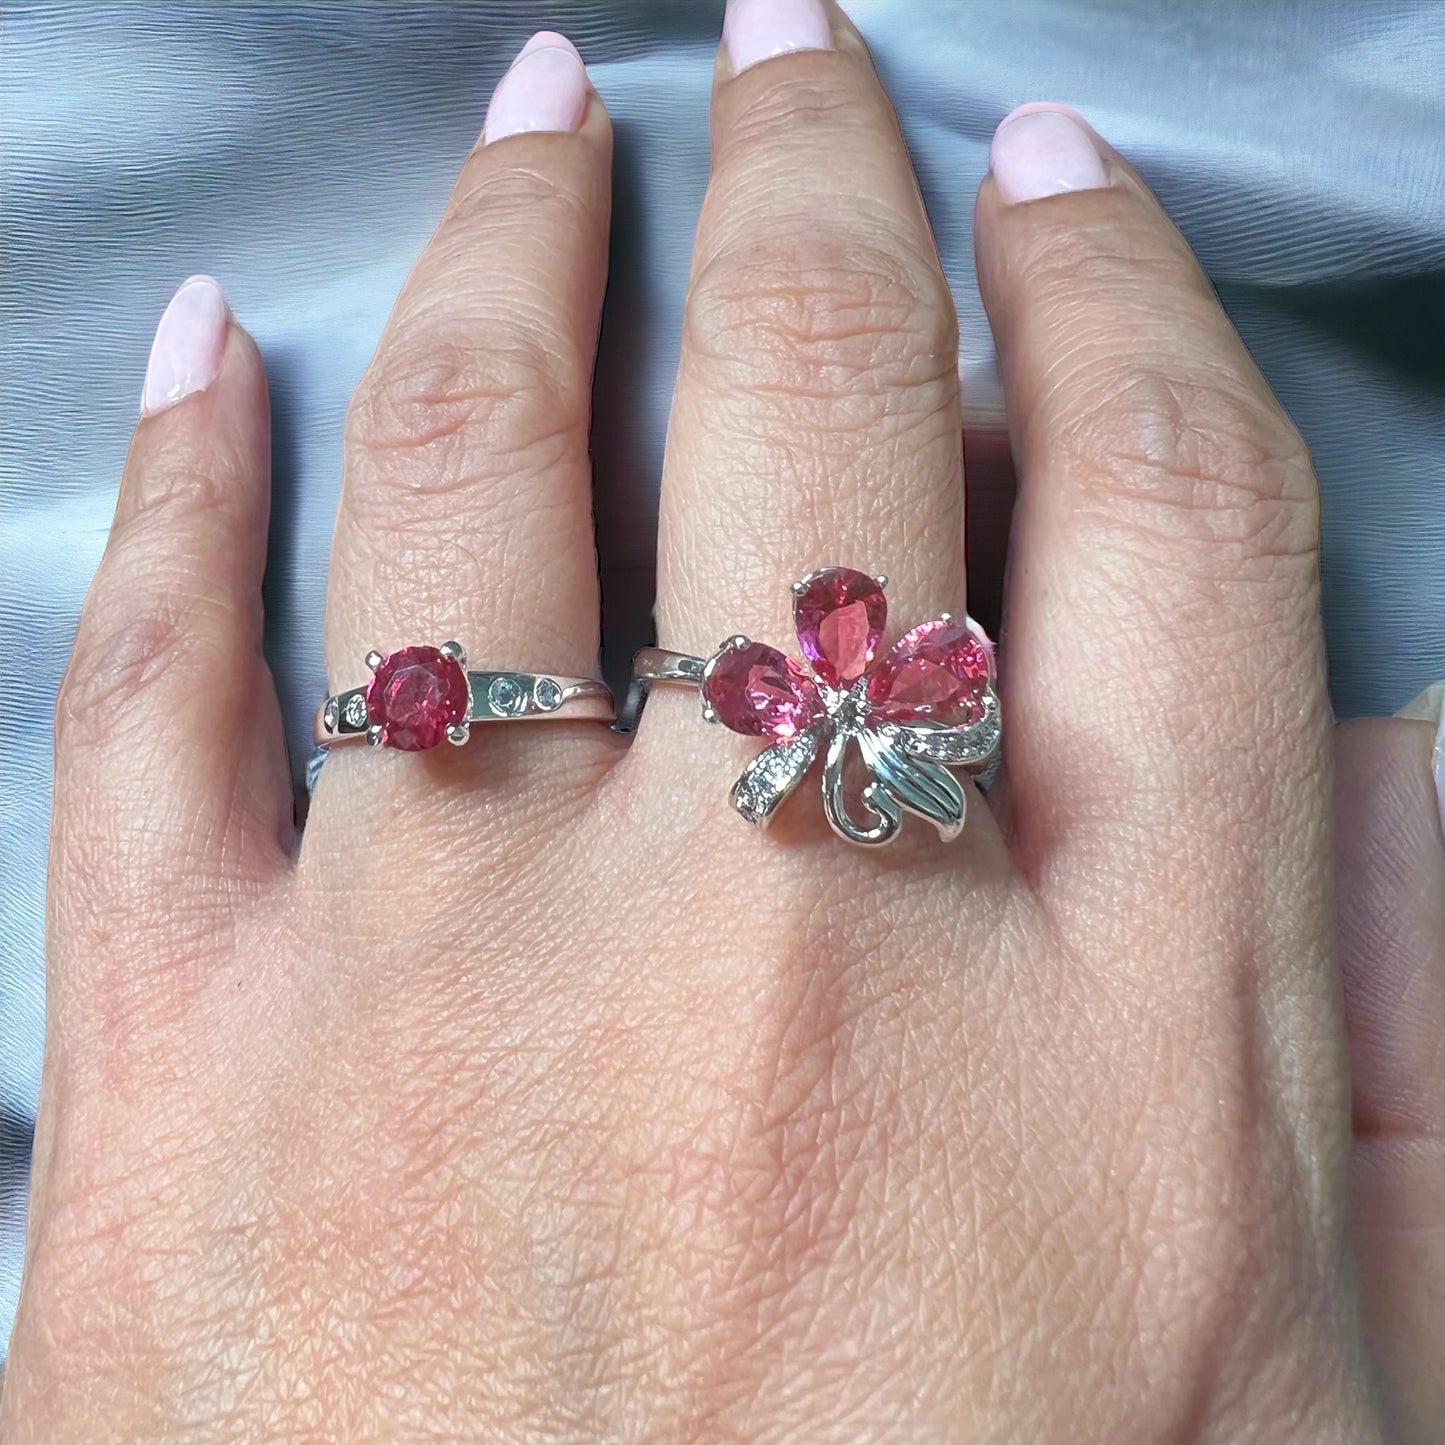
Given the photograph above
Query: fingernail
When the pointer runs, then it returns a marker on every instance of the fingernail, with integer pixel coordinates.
(546, 89)
(1044, 150)
(190, 342)
(755, 30)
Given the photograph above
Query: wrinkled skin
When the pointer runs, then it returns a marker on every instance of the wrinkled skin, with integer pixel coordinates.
(535, 1097)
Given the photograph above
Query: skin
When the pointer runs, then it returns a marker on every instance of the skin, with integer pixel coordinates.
(533, 1097)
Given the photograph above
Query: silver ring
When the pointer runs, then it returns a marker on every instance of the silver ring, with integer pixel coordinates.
(929, 704)
(419, 697)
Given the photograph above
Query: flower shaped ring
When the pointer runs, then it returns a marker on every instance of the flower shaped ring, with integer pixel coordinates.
(926, 705)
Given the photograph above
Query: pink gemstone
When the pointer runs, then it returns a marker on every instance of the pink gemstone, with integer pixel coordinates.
(415, 696)
(758, 691)
(938, 672)
(840, 616)
(987, 643)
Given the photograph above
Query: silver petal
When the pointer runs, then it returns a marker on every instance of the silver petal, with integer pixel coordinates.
(883, 815)
(772, 775)
(914, 783)
(970, 746)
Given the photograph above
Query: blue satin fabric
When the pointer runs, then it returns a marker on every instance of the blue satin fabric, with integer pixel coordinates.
(303, 153)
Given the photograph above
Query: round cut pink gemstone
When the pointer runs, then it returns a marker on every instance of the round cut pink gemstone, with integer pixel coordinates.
(937, 672)
(840, 615)
(415, 696)
(758, 691)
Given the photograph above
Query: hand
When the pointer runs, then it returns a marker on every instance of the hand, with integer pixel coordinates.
(537, 1097)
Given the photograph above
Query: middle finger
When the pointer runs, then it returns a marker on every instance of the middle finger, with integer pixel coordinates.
(816, 419)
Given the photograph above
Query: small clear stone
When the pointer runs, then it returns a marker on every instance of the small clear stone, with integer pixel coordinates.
(356, 710)
(332, 715)
(772, 775)
(965, 746)
(547, 694)
(506, 695)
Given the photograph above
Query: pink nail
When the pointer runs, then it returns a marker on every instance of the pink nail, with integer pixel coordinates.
(1044, 150)
(755, 30)
(190, 342)
(546, 89)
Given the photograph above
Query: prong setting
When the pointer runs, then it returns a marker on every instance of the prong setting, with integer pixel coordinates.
(374, 735)
(374, 659)
(458, 733)
(907, 738)
(454, 652)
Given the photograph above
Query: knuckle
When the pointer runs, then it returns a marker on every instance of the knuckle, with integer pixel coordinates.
(196, 478)
(793, 106)
(1107, 255)
(435, 407)
(127, 645)
(1191, 458)
(435, 416)
(515, 199)
(113, 663)
(818, 316)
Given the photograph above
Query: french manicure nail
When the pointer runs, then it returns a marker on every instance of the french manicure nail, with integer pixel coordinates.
(545, 90)
(1044, 150)
(190, 342)
(755, 30)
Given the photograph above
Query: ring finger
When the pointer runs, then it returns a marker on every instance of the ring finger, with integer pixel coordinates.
(465, 510)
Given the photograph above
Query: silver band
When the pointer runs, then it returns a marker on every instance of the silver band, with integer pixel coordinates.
(495, 697)
(656, 664)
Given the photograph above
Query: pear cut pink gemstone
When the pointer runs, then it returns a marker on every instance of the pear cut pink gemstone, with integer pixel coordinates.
(840, 615)
(758, 691)
(415, 696)
(937, 672)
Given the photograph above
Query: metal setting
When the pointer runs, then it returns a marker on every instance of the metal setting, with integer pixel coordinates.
(905, 764)
(492, 697)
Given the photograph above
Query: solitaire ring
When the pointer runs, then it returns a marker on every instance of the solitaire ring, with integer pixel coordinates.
(927, 705)
(420, 697)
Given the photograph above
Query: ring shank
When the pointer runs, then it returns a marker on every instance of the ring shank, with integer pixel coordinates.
(496, 697)
(655, 664)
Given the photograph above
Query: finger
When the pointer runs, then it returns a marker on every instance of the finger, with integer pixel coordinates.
(1390, 881)
(1164, 668)
(170, 767)
(816, 419)
(466, 506)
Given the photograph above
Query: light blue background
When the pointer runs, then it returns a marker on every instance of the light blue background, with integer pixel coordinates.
(301, 153)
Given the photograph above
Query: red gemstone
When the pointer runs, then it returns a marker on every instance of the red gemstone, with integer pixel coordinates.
(415, 696)
(938, 672)
(840, 615)
(758, 691)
